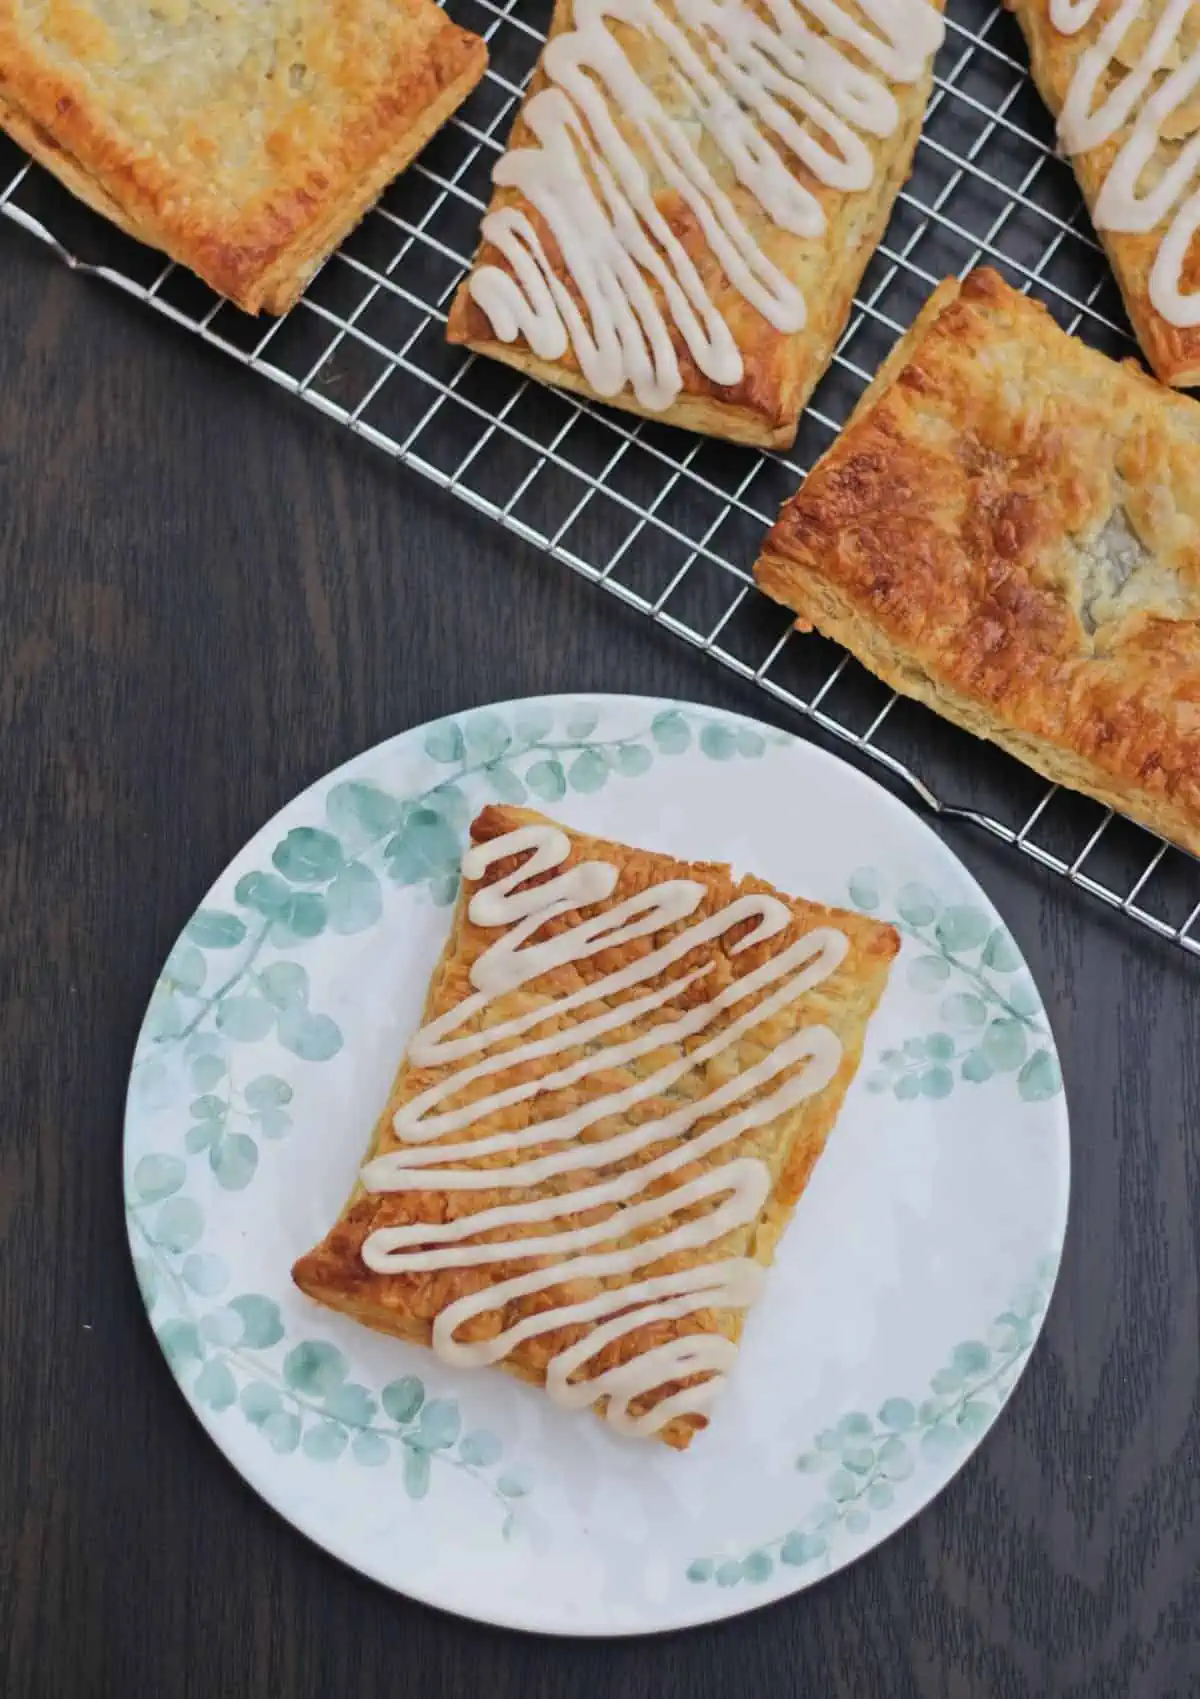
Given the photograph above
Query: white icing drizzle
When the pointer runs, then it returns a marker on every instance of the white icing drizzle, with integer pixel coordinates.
(1119, 205)
(736, 1190)
(750, 88)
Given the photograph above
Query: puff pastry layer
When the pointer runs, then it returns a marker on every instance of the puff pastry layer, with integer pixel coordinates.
(779, 369)
(1173, 351)
(1008, 530)
(408, 1304)
(243, 137)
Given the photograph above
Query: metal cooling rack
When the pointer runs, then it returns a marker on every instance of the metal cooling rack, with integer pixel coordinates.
(668, 522)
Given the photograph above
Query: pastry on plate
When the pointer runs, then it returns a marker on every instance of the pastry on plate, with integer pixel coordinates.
(243, 140)
(692, 191)
(627, 1069)
(1008, 529)
(1121, 77)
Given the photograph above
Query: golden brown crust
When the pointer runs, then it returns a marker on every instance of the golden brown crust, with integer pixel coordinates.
(780, 370)
(406, 1305)
(1173, 352)
(244, 143)
(39, 146)
(1009, 531)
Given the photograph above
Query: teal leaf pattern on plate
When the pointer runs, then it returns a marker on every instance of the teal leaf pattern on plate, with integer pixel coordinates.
(236, 1356)
(863, 1463)
(990, 1023)
(234, 982)
(333, 875)
(242, 1029)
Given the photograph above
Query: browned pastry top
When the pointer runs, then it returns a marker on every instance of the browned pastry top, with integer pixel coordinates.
(788, 1143)
(1009, 529)
(242, 138)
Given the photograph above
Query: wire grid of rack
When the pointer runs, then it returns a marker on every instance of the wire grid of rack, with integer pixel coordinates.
(668, 522)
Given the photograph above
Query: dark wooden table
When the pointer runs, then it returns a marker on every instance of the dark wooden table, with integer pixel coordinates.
(208, 597)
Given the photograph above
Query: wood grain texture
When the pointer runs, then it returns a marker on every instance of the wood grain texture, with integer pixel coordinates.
(208, 597)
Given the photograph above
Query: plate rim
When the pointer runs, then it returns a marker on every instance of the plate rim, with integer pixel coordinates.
(726, 1604)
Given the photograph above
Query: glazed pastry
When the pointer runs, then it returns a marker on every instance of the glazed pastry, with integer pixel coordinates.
(1122, 77)
(691, 193)
(628, 1068)
(1008, 529)
(245, 141)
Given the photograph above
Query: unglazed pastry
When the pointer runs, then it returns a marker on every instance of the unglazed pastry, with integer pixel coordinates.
(1122, 77)
(1008, 529)
(691, 193)
(628, 1068)
(243, 137)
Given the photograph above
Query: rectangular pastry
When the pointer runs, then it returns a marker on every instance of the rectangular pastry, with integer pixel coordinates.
(628, 1068)
(244, 141)
(1008, 530)
(692, 191)
(1121, 77)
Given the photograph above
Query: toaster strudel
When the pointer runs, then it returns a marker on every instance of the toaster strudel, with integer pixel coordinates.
(244, 140)
(692, 191)
(1008, 529)
(1121, 77)
(627, 1069)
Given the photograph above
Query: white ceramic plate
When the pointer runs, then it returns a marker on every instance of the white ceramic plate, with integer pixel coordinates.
(908, 1290)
